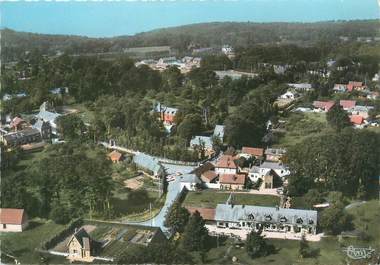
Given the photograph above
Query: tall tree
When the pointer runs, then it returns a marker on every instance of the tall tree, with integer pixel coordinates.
(335, 220)
(195, 234)
(70, 126)
(337, 117)
(177, 218)
(256, 245)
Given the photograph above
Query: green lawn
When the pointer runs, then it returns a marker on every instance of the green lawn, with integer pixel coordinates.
(22, 245)
(301, 125)
(86, 114)
(212, 198)
(367, 219)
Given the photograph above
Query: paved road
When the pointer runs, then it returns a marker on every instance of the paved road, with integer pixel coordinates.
(174, 189)
(354, 204)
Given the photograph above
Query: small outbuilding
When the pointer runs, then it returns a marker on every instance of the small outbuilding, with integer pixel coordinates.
(115, 156)
(13, 220)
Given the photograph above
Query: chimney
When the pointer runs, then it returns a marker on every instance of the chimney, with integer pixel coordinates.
(277, 208)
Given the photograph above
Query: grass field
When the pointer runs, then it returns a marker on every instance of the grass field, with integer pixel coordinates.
(22, 245)
(212, 198)
(301, 125)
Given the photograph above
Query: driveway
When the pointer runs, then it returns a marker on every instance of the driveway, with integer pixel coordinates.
(174, 189)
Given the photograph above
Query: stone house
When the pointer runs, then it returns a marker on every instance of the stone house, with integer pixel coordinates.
(81, 247)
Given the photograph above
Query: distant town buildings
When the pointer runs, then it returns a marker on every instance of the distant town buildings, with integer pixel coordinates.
(184, 65)
(233, 74)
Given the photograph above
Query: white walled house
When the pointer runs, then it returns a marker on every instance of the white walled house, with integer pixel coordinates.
(13, 220)
(269, 219)
(258, 172)
(289, 95)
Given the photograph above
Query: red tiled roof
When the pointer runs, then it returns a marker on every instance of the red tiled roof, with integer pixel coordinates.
(210, 175)
(326, 105)
(12, 216)
(16, 122)
(238, 179)
(356, 119)
(206, 213)
(115, 155)
(354, 84)
(253, 151)
(347, 104)
(226, 161)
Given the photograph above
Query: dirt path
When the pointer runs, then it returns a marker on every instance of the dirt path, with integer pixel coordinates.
(134, 183)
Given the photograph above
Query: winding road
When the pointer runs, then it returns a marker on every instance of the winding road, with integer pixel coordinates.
(174, 190)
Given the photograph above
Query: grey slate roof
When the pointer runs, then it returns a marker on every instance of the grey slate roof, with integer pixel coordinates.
(48, 116)
(237, 213)
(219, 131)
(272, 165)
(20, 134)
(38, 125)
(199, 140)
(147, 162)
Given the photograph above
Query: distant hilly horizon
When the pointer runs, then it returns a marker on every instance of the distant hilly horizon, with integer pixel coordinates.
(182, 39)
(201, 24)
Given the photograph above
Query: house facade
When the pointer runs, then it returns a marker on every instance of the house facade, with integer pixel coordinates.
(268, 219)
(80, 247)
(22, 137)
(13, 220)
(232, 181)
(166, 114)
(226, 165)
(249, 152)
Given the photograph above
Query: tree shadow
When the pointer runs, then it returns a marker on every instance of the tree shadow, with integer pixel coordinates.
(33, 224)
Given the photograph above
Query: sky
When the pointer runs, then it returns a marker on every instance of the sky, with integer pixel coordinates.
(114, 18)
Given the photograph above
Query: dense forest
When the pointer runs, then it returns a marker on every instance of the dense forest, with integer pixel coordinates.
(183, 38)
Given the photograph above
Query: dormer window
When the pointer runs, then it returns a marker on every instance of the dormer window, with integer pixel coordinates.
(299, 221)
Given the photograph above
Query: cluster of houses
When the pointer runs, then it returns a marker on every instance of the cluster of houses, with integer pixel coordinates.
(233, 74)
(265, 168)
(356, 86)
(359, 115)
(184, 65)
(18, 132)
